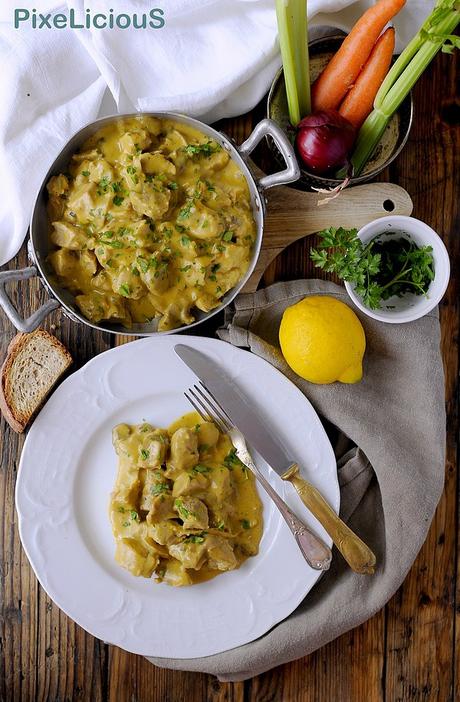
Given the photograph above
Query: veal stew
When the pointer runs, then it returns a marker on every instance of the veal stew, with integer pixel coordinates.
(151, 221)
(184, 508)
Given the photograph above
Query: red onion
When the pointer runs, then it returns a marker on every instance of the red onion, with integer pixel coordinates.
(324, 141)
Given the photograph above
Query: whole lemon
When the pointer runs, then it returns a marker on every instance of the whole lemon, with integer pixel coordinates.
(323, 340)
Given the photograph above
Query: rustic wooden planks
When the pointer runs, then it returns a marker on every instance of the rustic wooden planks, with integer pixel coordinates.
(421, 617)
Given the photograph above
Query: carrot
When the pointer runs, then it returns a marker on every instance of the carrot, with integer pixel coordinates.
(330, 87)
(359, 100)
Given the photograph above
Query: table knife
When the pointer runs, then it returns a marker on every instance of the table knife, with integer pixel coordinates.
(357, 554)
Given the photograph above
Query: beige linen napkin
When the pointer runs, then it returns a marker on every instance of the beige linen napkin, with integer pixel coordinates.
(391, 470)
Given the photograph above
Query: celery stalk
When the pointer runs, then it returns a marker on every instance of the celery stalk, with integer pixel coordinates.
(293, 33)
(402, 77)
(404, 84)
(369, 136)
(397, 68)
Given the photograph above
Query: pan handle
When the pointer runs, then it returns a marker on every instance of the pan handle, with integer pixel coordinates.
(270, 128)
(35, 319)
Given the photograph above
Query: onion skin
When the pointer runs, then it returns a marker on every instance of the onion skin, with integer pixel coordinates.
(324, 141)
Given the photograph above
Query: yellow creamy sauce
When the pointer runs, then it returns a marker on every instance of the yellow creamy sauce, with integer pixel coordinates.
(153, 220)
(183, 508)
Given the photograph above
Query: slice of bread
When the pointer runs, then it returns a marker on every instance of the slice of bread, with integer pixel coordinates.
(33, 365)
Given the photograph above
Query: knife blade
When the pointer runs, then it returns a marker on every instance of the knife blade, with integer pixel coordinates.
(238, 408)
(357, 554)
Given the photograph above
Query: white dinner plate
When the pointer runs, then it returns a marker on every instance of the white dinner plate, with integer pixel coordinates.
(67, 472)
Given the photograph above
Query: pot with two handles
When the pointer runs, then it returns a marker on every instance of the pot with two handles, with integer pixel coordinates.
(38, 244)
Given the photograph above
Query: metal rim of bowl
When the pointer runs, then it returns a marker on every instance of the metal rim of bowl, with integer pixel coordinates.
(66, 299)
(310, 179)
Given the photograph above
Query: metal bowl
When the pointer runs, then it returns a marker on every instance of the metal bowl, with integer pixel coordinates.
(393, 140)
(38, 244)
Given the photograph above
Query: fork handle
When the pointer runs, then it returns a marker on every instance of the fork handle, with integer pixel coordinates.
(357, 554)
(315, 552)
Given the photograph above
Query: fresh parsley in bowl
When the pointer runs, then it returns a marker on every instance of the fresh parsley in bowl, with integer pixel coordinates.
(395, 269)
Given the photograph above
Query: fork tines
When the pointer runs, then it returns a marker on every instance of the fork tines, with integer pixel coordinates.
(209, 409)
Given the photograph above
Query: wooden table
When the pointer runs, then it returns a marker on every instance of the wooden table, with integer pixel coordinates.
(408, 651)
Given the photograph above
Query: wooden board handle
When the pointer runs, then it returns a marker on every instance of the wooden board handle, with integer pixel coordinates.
(293, 214)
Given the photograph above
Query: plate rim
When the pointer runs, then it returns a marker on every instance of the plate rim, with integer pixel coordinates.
(170, 340)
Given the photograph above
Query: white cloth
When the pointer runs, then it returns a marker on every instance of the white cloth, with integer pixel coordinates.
(212, 59)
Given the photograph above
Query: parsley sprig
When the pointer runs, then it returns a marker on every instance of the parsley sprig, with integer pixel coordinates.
(379, 269)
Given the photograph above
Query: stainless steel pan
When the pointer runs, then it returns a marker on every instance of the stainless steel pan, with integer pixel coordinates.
(38, 245)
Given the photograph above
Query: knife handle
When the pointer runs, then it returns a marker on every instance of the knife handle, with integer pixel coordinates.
(357, 554)
(315, 552)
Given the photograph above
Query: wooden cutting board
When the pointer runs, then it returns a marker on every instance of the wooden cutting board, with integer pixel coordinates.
(293, 214)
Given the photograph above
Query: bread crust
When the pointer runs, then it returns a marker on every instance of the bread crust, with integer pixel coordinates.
(19, 423)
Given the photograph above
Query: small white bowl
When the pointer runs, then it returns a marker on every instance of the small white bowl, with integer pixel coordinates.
(409, 307)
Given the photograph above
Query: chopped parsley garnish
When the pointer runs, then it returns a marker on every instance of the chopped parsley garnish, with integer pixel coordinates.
(185, 268)
(161, 267)
(186, 210)
(107, 239)
(143, 264)
(200, 468)
(124, 290)
(183, 511)
(117, 200)
(195, 538)
(103, 185)
(205, 150)
(173, 185)
(131, 171)
(159, 488)
(185, 240)
(134, 515)
(231, 459)
(227, 236)
(210, 186)
(114, 244)
(245, 523)
(85, 173)
(145, 454)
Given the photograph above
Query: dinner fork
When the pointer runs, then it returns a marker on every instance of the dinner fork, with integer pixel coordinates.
(315, 552)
